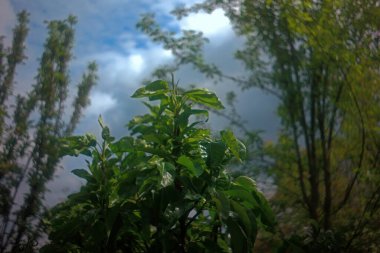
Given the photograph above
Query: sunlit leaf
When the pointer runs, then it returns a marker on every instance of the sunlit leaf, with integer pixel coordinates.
(237, 148)
(76, 145)
(154, 90)
(204, 97)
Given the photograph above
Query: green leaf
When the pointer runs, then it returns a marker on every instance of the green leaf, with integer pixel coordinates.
(267, 217)
(199, 112)
(154, 90)
(76, 145)
(204, 97)
(247, 182)
(106, 134)
(125, 144)
(242, 194)
(83, 174)
(183, 118)
(157, 85)
(195, 168)
(265, 211)
(168, 167)
(249, 226)
(157, 96)
(238, 237)
(101, 122)
(215, 152)
(222, 203)
(237, 148)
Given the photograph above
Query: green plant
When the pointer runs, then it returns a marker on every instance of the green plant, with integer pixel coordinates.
(165, 188)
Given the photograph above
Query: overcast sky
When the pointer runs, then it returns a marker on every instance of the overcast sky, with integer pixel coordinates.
(106, 33)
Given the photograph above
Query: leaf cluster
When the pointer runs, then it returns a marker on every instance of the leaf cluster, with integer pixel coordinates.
(165, 188)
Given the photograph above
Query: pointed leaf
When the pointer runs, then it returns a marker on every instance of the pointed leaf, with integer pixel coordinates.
(215, 152)
(76, 145)
(157, 85)
(82, 174)
(247, 182)
(237, 148)
(154, 90)
(249, 226)
(195, 169)
(101, 122)
(125, 144)
(238, 237)
(106, 134)
(204, 97)
(266, 213)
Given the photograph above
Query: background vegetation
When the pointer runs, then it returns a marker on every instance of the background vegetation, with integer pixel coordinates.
(30, 127)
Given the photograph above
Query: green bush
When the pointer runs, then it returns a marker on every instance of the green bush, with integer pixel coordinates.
(165, 188)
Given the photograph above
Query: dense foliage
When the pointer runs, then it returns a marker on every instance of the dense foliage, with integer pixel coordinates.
(165, 188)
(321, 60)
(30, 126)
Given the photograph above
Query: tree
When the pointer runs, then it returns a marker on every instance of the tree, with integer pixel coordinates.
(30, 126)
(321, 59)
(166, 188)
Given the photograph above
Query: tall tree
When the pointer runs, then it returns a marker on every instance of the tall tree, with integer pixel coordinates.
(30, 126)
(321, 59)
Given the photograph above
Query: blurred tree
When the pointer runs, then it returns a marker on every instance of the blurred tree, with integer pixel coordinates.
(30, 126)
(321, 60)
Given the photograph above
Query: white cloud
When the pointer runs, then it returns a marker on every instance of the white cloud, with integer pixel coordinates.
(214, 24)
(136, 62)
(117, 67)
(100, 103)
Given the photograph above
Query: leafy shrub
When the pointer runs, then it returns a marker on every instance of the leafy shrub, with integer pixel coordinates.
(165, 188)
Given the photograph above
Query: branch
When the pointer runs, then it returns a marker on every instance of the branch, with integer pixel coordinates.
(248, 83)
(362, 150)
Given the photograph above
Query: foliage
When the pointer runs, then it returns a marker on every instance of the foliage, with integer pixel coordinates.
(321, 60)
(166, 188)
(30, 126)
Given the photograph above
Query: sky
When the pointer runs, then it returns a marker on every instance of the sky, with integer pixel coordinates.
(106, 33)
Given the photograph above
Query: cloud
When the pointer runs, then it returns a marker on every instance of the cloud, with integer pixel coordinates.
(129, 68)
(212, 25)
(100, 103)
(64, 182)
(136, 63)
